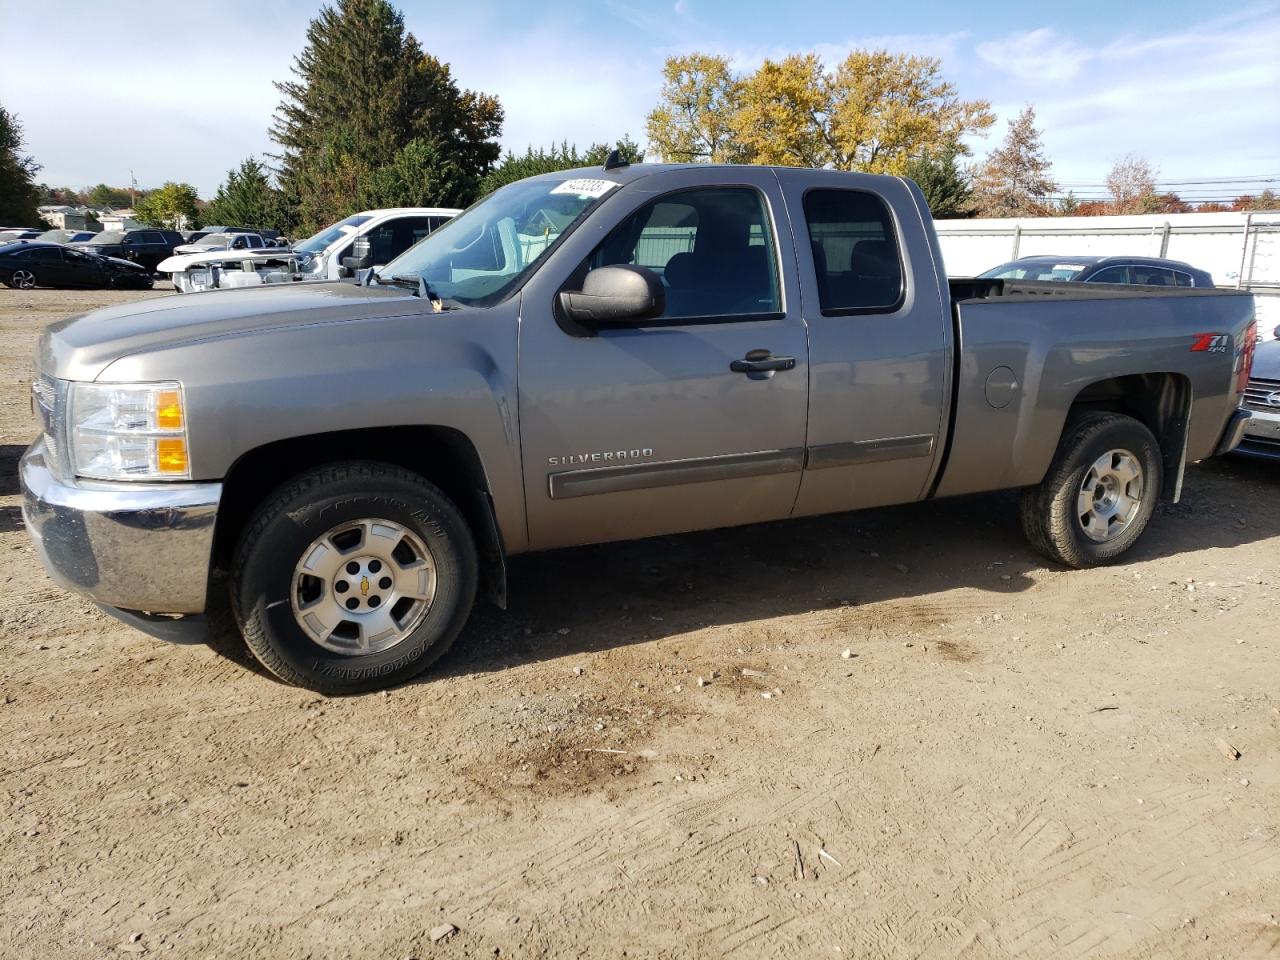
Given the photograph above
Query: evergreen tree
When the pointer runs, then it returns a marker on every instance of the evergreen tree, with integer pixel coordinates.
(247, 199)
(564, 157)
(1014, 181)
(364, 91)
(945, 184)
(19, 195)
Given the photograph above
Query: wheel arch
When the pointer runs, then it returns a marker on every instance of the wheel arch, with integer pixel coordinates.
(1161, 402)
(442, 455)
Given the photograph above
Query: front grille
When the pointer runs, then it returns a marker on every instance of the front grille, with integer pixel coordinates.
(1263, 394)
(50, 397)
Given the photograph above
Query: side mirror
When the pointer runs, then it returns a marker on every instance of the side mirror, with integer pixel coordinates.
(361, 258)
(1276, 333)
(622, 294)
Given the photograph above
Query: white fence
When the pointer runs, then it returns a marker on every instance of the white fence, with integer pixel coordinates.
(1240, 250)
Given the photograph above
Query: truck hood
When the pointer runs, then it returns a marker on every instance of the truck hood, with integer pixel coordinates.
(81, 348)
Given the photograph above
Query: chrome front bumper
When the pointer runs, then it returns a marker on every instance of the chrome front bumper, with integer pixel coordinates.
(138, 546)
(1262, 434)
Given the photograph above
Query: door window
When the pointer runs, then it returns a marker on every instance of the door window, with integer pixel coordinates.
(712, 248)
(1111, 275)
(1182, 279)
(855, 252)
(1153, 276)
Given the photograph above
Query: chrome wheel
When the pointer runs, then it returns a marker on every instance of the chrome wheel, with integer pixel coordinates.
(363, 587)
(24, 279)
(1110, 495)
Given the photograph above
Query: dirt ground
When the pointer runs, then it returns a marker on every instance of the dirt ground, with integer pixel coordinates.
(663, 750)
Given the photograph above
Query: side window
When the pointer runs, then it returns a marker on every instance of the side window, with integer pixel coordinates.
(382, 243)
(713, 249)
(151, 236)
(408, 231)
(1182, 279)
(1111, 275)
(255, 241)
(1153, 276)
(435, 223)
(855, 252)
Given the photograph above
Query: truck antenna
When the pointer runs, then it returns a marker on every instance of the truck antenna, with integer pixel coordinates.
(614, 161)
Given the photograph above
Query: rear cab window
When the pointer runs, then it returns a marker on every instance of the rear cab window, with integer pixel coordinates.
(856, 257)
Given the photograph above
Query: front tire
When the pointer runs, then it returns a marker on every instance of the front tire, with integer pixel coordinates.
(1099, 493)
(22, 280)
(354, 576)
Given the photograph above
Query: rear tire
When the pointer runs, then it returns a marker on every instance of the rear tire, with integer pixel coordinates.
(1099, 493)
(312, 621)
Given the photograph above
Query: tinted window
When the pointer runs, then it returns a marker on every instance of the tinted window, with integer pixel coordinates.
(855, 251)
(1182, 279)
(1153, 276)
(712, 248)
(150, 236)
(1111, 275)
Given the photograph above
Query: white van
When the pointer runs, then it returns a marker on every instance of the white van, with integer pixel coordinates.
(389, 232)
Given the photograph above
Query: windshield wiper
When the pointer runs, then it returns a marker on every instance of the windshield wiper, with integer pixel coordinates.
(420, 287)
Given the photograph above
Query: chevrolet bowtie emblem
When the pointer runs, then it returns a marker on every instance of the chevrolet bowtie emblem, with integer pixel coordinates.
(364, 586)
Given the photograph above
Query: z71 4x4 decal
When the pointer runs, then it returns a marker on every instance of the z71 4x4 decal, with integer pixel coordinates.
(1211, 343)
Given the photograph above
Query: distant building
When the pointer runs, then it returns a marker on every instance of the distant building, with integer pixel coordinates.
(61, 217)
(119, 220)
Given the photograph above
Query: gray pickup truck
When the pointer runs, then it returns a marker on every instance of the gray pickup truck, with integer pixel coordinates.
(588, 356)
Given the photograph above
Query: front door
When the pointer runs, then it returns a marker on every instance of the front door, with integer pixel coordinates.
(667, 427)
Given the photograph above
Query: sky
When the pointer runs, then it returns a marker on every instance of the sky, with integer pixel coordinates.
(185, 93)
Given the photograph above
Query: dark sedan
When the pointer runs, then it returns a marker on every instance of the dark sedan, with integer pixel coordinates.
(33, 264)
(1146, 271)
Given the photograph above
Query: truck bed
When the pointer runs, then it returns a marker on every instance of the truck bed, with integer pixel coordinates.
(1028, 351)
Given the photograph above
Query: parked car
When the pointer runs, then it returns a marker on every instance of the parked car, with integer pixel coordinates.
(587, 356)
(28, 264)
(1145, 271)
(195, 236)
(221, 241)
(221, 269)
(1262, 398)
(145, 246)
(390, 233)
(9, 236)
(65, 236)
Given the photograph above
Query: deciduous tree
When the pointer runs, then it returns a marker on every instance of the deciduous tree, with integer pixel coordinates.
(1132, 185)
(874, 112)
(19, 196)
(173, 207)
(1014, 180)
(691, 121)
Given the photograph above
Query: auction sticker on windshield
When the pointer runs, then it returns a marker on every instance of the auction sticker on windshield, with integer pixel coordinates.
(586, 188)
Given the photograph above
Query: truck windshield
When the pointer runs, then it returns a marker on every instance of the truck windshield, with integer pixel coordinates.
(318, 243)
(481, 255)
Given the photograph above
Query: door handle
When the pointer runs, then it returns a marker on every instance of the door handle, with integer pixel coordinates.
(762, 364)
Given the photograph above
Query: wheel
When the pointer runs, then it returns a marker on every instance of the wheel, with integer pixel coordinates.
(22, 279)
(1099, 493)
(353, 576)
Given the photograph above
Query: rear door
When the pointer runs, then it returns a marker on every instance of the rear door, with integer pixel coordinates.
(649, 430)
(878, 315)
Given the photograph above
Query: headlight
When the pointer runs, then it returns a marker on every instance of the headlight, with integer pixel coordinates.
(125, 431)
